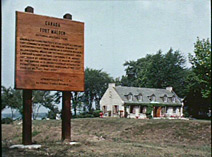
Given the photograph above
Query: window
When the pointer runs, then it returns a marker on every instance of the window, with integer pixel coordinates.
(165, 99)
(174, 109)
(132, 109)
(130, 97)
(163, 110)
(141, 109)
(167, 108)
(104, 109)
(115, 109)
(152, 98)
(140, 97)
(173, 99)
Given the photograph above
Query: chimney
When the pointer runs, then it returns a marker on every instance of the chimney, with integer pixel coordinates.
(111, 85)
(169, 89)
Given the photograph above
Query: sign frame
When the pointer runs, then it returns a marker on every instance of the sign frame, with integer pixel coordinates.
(25, 79)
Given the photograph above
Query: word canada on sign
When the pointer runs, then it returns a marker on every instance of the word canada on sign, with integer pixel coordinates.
(49, 53)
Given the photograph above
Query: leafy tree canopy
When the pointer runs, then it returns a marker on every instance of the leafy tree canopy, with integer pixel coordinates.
(201, 65)
(96, 83)
(157, 71)
(12, 99)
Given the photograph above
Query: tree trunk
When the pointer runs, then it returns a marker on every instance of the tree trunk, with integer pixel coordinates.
(75, 108)
(12, 113)
(97, 104)
(90, 106)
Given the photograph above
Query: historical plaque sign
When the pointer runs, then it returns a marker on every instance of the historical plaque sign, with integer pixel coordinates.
(49, 53)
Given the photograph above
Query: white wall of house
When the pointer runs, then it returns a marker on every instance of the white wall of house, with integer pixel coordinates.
(111, 98)
(170, 111)
(181, 110)
(137, 113)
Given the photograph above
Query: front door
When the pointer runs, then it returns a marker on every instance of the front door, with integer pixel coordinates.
(157, 112)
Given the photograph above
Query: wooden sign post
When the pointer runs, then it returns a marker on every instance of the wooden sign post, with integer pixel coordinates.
(66, 108)
(27, 109)
(49, 56)
(66, 116)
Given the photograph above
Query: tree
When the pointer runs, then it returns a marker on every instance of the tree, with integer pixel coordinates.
(47, 100)
(157, 71)
(195, 104)
(12, 99)
(4, 97)
(76, 99)
(201, 65)
(96, 83)
(42, 98)
(198, 97)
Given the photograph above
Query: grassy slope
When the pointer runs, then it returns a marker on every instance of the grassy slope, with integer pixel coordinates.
(115, 137)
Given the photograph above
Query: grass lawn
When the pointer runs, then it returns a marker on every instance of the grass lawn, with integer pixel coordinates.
(114, 137)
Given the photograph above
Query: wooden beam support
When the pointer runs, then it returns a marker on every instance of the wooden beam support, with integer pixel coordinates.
(66, 116)
(27, 117)
(66, 107)
(27, 108)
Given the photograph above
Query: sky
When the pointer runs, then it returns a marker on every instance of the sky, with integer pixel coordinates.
(116, 31)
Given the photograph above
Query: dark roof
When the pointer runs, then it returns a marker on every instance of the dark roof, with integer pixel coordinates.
(146, 93)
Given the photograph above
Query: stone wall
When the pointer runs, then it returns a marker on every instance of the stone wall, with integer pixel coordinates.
(110, 99)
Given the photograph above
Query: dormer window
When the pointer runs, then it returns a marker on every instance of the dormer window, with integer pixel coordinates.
(140, 97)
(173, 99)
(130, 96)
(152, 98)
(165, 98)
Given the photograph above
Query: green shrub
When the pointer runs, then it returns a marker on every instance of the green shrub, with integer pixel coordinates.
(149, 116)
(96, 113)
(6, 121)
(149, 111)
(185, 113)
(90, 114)
(84, 115)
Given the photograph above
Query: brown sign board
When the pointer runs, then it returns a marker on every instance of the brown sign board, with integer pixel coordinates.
(49, 53)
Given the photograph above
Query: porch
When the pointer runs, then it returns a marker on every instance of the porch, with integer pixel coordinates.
(140, 112)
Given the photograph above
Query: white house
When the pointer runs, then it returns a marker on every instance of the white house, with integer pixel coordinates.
(134, 102)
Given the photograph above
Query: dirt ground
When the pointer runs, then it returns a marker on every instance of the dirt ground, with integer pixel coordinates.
(110, 137)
